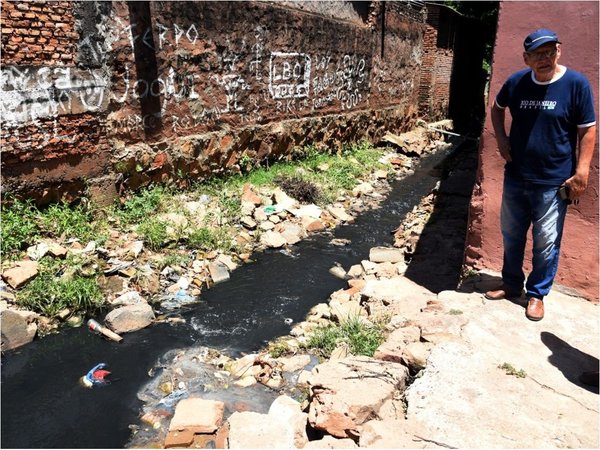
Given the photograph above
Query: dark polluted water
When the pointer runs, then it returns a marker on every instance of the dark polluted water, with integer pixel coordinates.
(43, 405)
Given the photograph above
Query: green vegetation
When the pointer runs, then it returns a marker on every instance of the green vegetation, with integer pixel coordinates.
(19, 225)
(510, 370)
(72, 222)
(58, 287)
(362, 338)
(154, 233)
(145, 203)
(318, 177)
(208, 239)
(277, 349)
(455, 312)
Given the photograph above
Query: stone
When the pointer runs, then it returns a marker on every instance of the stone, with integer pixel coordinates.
(267, 225)
(248, 195)
(240, 367)
(293, 363)
(312, 225)
(129, 298)
(282, 200)
(246, 381)
(362, 189)
(254, 430)
(386, 254)
(338, 272)
(248, 222)
(415, 354)
(401, 294)
(342, 312)
(227, 260)
(218, 272)
(306, 211)
(197, 415)
(331, 442)
(290, 412)
(388, 434)
(16, 329)
(130, 318)
(348, 392)
(355, 271)
(37, 252)
(291, 232)
(21, 273)
(272, 239)
(57, 250)
(179, 439)
(260, 215)
(340, 214)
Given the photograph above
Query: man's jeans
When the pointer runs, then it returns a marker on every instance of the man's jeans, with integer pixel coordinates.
(524, 203)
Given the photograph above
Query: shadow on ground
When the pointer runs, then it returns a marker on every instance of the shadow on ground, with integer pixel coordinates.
(571, 361)
(438, 258)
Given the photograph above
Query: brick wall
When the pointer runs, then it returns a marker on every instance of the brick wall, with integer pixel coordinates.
(438, 56)
(172, 87)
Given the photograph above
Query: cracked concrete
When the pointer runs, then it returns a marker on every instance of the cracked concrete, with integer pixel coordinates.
(464, 399)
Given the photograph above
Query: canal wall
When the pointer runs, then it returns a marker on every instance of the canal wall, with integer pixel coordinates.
(99, 98)
(576, 24)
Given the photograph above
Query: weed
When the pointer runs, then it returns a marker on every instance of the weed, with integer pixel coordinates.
(208, 239)
(174, 259)
(154, 232)
(19, 225)
(455, 312)
(510, 370)
(276, 349)
(361, 337)
(145, 203)
(48, 294)
(61, 219)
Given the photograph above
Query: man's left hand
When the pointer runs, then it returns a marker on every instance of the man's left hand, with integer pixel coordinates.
(577, 185)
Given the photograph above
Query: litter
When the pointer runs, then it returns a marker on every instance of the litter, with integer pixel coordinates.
(96, 376)
(95, 326)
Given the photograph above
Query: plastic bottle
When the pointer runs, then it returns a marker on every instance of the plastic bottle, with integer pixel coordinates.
(95, 326)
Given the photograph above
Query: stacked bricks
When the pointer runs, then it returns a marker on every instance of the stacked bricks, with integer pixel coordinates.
(38, 33)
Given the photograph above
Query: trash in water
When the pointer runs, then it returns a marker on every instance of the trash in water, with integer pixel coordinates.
(173, 398)
(95, 326)
(288, 321)
(96, 376)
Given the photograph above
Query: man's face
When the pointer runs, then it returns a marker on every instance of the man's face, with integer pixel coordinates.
(543, 60)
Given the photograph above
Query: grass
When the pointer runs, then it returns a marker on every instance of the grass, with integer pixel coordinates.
(317, 177)
(145, 203)
(154, 233)
(19, 225)
(510, 370)
(55, 289)
(362, 338)
(277, 349)
(72, 222)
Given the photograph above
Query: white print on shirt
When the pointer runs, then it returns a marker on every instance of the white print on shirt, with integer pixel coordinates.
(538, 104)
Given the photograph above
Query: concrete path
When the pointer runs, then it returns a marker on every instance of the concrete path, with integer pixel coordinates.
(466, 400)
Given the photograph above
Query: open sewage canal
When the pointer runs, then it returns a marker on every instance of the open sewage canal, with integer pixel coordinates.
(45, 406)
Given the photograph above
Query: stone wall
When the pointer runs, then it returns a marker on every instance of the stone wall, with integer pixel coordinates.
(577, 26)
(121, 94)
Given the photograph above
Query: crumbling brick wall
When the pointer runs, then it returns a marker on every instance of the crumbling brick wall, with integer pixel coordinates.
(148, 91)
(438, 57)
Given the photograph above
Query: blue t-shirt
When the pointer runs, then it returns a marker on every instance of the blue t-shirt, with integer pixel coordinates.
(545, 118)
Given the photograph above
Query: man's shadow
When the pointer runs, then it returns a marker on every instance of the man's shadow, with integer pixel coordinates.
(569, 360)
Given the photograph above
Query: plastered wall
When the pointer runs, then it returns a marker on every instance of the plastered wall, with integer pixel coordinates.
(576, 24)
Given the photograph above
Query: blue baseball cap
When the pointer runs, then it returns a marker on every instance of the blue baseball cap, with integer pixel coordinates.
(538, 38)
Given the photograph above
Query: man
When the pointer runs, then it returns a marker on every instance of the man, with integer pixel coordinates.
(550, 145)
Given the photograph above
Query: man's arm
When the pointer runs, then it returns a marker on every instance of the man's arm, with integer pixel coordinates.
(498, 115)
(587, 140)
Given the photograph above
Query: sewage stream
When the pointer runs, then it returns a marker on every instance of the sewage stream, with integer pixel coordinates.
(43, 404)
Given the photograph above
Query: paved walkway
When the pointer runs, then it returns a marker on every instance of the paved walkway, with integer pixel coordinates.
(465, 400)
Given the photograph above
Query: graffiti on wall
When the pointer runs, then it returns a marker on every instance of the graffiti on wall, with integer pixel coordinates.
(243, 79)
